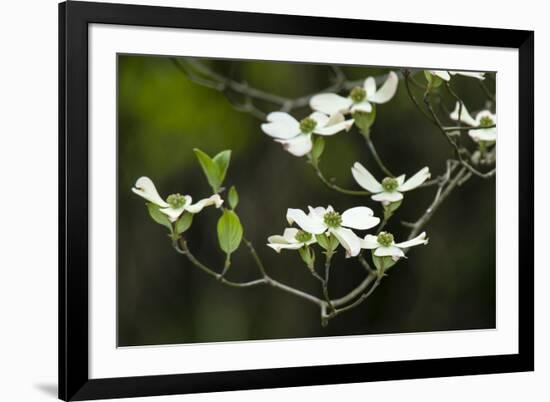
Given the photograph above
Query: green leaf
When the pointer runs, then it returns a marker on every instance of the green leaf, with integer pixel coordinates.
(210, 168)
(382, 263)
(233, 197)
(364, 120)
(322, 239)
(433, 80)
(183, 223)
(390, 208)
(230, 231)
(308, 256)
(222, 161)
(158, 217)
(428, 75)
(317, 150)
(329, 243)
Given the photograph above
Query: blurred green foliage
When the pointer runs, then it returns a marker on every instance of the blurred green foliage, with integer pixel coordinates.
(163, 299)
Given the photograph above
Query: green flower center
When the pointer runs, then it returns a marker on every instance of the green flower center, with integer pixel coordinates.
(307, 125)
(486, 121)
(390, 184)
(358, 94)
(176, 200)
(302, 236)
(332, 219)
(385, 239)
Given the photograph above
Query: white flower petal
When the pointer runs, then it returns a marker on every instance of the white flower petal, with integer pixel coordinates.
(280, 246)
(172, 213)
(277, 239)
(334, 128)
(364, 106)
(298, 146)
(307, 223)
(465, 116)
(335, 118)
(317, 212)
(145, 188)
(360, 218)
(386, 91)
(197, 207)
(420, 239)
(330, 103)
(420, 177)
(400, 179)
(281, 125)
(349, 240)
(390, 251)
(366, 180)
(370, 86)
(386, 197)
(479, 76)
(370, 242)
(483, 134)
(290, 235)
(444, 75)
(320, 118)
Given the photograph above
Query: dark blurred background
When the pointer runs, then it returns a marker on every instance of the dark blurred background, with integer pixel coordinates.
(163, 299)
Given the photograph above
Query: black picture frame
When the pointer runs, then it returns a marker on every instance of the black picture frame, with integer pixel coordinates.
(74, 381)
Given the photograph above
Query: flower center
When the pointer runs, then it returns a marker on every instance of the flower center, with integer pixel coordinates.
(302, 236)
(390, 184)
(486, 121)
(332, 219)
(385, 239)
(307, 125)
(358, 94)
(176, 200)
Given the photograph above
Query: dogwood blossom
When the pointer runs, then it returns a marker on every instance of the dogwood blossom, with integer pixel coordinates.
(175, 204)
(292, 239)
(482, 130)
(322, 220)
(295, 136)
(391, 189)
(446, 75)
(359, 99)
(385, 246)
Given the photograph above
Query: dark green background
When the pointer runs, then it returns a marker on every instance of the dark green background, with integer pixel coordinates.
(163, 299)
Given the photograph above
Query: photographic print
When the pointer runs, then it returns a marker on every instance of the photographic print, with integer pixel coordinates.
(262, 200)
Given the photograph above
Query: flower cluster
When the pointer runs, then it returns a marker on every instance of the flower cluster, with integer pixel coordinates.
(483, 126)
(330, 115)
(384, 245)
(295, 136)
(391, 189)
(322, 222)
(175, 204)
(360, 99)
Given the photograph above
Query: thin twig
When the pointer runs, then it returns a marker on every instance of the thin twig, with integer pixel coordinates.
(417, 226)
(376, 157)
(462, 128)
(357, 302)
(334, 186)
(328, 259)
(406, 74)
(486, 90)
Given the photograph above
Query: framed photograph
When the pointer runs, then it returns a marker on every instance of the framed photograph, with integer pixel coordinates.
(257, 201)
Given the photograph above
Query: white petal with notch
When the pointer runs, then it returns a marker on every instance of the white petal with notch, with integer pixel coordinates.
(145, 188)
